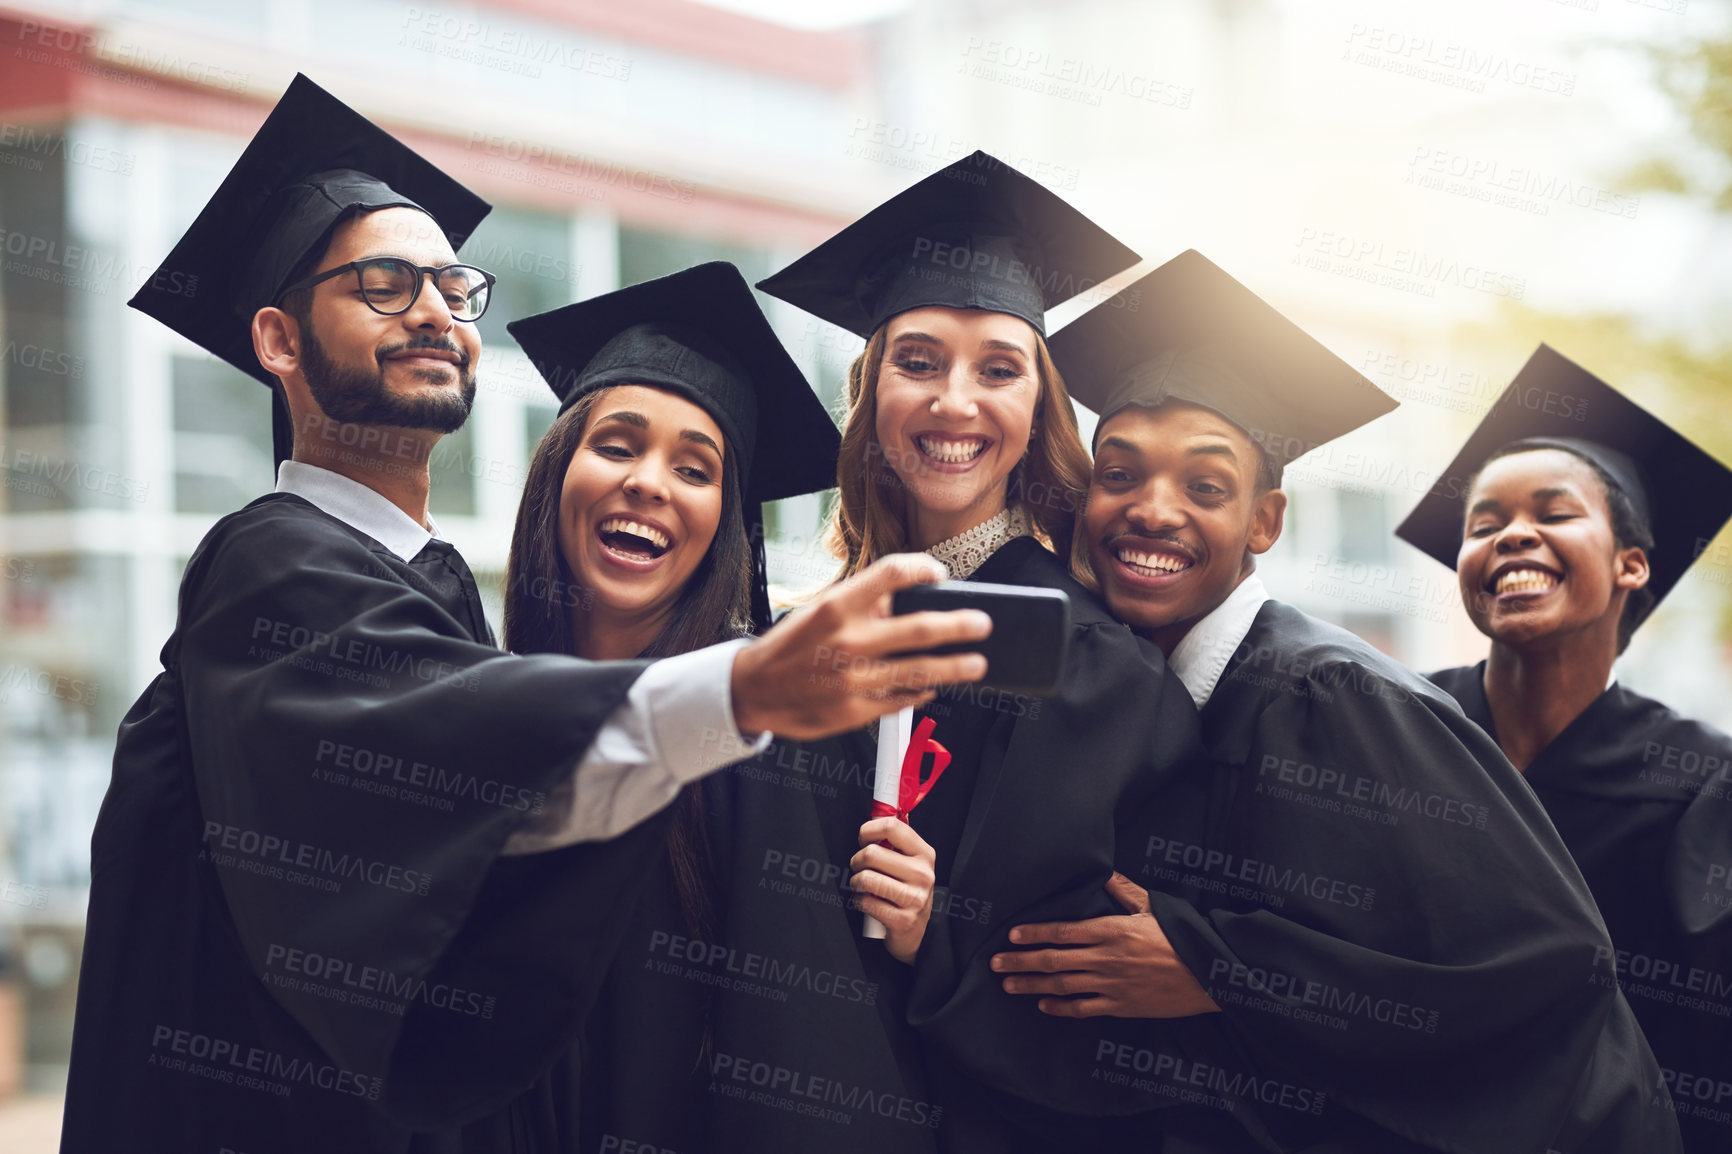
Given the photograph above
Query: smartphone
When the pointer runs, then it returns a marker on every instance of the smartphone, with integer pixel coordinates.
(1030, 630)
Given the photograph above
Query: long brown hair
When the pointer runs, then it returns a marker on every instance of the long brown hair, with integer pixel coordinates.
(870, 517)
(714, 606)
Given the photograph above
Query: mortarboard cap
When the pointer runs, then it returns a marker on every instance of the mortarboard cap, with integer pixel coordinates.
(1189, 332)
(700, 334)
(312, 162)
(1555, 403)
(977, 234)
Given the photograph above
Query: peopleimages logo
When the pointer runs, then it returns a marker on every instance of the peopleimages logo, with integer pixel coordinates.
(88, 51)
(1265, 882)
(762, 1083)
(1335, 785)
(1699, 1095)
(275, 857)
(331, 653)
(84, 268)
(224, 1060)
(43, 359)
(72, 690)
(369, 987)
(1290, 995)
(51, 476)
(744, 971)
(458, 36)
(590, 176)
(1198, 1083)
(1053, 284)
(39, 143)
(1409, 269)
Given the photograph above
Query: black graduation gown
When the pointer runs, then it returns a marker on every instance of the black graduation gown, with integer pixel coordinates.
(644, 1047)
(1404, 955)
(1030, 833)
(1618, 783)
(811, 1044)
(808, 1051)
(301, 934)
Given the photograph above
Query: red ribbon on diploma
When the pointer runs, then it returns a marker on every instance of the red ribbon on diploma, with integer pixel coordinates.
(910, 790)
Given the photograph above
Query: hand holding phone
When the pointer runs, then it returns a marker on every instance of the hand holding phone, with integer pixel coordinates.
(1030, 630)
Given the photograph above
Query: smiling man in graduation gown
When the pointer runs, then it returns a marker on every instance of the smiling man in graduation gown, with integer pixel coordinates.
(1630, 784)
(358, 872)
(1360, 897)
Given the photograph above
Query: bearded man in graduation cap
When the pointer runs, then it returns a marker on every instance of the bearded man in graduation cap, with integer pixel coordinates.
(359, 873)
(1359, 899)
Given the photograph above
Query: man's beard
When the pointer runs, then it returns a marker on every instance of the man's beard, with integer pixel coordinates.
(355, 397)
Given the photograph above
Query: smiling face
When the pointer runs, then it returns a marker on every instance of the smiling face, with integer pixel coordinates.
(1539, 558)
(413, 370)
(956, 398)
(640, 503)
(1172, 510)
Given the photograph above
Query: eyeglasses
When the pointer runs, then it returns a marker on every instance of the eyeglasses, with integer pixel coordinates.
(391, 285)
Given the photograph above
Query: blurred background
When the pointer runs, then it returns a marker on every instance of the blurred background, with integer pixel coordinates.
(1430, 188)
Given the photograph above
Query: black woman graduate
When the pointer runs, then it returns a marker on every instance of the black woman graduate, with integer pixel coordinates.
(1568, 515)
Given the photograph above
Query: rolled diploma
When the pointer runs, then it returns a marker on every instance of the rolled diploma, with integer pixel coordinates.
(895, 731)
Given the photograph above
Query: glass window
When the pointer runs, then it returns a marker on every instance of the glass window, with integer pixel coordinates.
(61, 614)
(490, 584)
(530, 253)
(537, 419)
(250, 21)
(645, 255)
(454, 468)
(222, 436)
(44, 371)
(1364, 532)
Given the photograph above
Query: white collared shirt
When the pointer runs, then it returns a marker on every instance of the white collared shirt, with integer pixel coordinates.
(1201, 657)
(662, 737)
(358, 507)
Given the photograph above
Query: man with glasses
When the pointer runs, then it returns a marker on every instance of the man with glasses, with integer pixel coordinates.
(358, 873)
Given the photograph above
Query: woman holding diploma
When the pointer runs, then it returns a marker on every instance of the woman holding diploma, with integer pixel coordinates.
(1578, 519)
(959, 441)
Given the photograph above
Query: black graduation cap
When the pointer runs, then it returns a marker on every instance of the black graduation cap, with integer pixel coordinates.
(312, 162)
(1190, 332)
(1555, 403)
(975, 235)
(701, 334)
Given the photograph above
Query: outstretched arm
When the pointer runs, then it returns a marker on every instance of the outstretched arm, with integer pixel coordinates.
(833, 665)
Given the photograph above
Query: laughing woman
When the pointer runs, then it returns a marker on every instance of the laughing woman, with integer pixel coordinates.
(1573, 530)
(680, 413)
(959, 441)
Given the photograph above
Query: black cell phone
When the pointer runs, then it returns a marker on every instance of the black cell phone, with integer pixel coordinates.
(1030, 630)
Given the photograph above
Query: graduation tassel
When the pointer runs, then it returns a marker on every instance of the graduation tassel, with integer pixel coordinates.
(761, 614)
(896, 784)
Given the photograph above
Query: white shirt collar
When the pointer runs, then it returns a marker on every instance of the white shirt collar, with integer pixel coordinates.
(356, 506)
(1202, 656)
